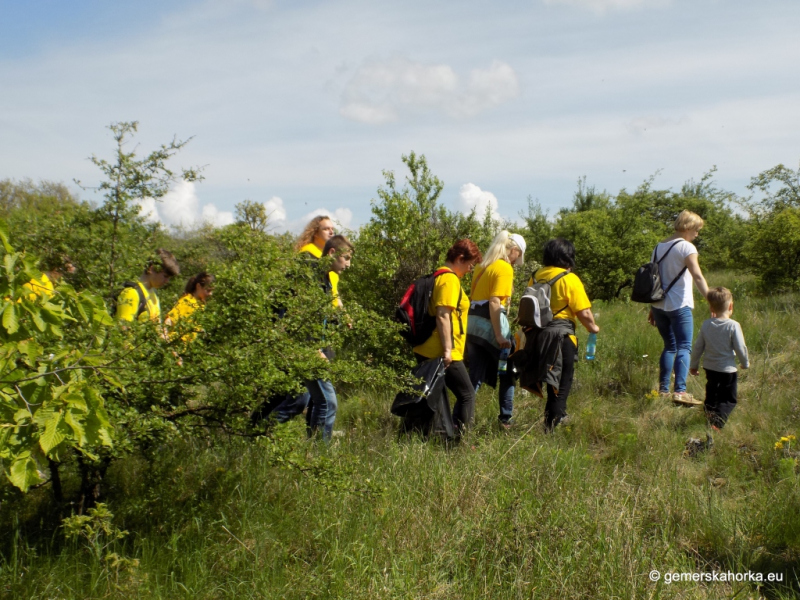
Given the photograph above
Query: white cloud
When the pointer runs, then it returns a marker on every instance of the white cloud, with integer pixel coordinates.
(471, 196)
(639, 125)
(279, 221)
(381, 92)
(602, 6)
(181, 207)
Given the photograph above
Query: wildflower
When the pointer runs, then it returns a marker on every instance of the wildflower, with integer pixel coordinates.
(785, 439)
(791, 438)
(778, 445)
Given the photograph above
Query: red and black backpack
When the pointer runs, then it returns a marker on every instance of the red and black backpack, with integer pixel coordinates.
(413, 309)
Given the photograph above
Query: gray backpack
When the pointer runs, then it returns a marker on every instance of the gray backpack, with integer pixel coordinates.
(534, 306)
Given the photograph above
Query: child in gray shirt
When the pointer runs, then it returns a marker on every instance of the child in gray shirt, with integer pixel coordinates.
(722, 341)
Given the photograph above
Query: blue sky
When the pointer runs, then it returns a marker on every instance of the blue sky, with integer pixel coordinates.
(301, 105)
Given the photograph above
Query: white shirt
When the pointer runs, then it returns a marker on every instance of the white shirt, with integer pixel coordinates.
(681, 293)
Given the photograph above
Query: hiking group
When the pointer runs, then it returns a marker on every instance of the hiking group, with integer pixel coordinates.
(462, 341)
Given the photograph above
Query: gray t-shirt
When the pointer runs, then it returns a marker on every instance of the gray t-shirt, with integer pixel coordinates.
(721, 340)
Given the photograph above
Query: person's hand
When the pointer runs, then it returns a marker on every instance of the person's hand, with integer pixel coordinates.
(694, 372)
(594, 329)
(651, 319)
(322, 354)
(502, 342)
(447, 358)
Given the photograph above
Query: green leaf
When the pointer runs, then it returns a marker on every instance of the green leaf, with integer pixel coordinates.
(23, 473)
(21, 415)
(77, 426)
(4, 236)
(53, 434)
(30, 349)
(10, 319)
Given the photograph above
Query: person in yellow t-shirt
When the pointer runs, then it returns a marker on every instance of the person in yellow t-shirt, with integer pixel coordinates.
(318, 231)
(450, 305)
(488, 331)
(55, 268)
(139, 301)
(568, 300)
(197, 291)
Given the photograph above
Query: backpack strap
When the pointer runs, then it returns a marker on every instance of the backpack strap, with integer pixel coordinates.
(655, 251)
(551, 282)
(658, 262)
(142, 299)
(458, 306)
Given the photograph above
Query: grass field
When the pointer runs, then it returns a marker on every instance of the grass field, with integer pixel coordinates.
(587, 512)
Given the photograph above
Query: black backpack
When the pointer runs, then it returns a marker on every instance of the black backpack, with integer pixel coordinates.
(647, 286)
(413, 309)
(142, 300)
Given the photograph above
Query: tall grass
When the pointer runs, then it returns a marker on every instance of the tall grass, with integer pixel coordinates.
(586, 512)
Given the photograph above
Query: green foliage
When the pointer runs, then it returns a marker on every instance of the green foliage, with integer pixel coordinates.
(407, 236)
(51, 366)
(773, 248)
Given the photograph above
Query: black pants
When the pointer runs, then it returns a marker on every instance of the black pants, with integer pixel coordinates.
(556, 407)
(456, 377)
(720, 396)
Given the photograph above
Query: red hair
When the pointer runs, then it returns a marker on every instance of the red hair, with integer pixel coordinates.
(466, 249)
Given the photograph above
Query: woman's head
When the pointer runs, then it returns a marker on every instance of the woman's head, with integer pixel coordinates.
(559, 252)
(200, 286)
(463, 255)
(505, 246)
(318, 231)
(688, 221)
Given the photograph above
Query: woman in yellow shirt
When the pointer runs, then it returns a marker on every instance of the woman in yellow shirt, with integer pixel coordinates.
(318, 231)
(568, 301)
(450, 305)
(488, 330)
(197, 291)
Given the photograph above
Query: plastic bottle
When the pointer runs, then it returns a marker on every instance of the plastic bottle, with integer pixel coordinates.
(591, 346)
(502, 363)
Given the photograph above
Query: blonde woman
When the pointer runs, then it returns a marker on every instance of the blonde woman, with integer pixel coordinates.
(673, 315)
(318, 231)
(487, 330)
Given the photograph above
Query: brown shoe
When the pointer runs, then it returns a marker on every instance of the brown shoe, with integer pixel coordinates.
(686, 399)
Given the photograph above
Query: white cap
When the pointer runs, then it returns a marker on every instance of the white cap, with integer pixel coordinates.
(519, 241)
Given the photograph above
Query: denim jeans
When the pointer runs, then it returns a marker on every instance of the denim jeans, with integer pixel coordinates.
(322, 407)
(291, 407)
(480, 361)
(676, 328)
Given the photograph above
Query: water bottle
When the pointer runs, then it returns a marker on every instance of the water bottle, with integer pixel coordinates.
(591, 346)
(502, 362)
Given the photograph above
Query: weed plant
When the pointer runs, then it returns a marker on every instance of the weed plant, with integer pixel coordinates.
(587, 512)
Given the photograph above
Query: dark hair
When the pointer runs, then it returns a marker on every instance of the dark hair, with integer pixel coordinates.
(56, 262)
(338, 243)
(466, 249)
(559, 252)
(204, 279)
(164, 261)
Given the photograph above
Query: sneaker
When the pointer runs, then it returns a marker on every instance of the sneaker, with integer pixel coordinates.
(686, 399)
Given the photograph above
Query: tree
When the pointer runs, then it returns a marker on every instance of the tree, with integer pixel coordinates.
(252, 214)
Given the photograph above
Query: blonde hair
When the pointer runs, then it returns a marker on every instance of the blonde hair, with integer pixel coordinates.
(310, 231)
(719, 299)
(688, 221)
(501, 246)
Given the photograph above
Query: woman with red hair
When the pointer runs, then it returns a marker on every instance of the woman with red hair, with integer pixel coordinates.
(450, 305)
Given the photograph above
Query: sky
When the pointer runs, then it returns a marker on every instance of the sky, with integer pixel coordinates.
(302, 105)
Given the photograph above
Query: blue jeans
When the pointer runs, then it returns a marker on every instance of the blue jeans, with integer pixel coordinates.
(322, 407)
(480, 361)
(676, 328)
(291, 407)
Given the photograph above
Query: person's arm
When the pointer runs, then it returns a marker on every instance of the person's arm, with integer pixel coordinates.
(697, 351)
(586, 318)
(740, 348)
(495, 308)
(445, 332)
(693, 265)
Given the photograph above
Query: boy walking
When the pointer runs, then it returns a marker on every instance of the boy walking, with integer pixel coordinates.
(722, 341)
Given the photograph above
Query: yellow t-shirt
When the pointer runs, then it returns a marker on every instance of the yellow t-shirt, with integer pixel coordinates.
(446, 289)
(333, 276)
(567, 291)
(40, 287)
(128, 304)
(312, 250)
(495, 280)
(185, 307)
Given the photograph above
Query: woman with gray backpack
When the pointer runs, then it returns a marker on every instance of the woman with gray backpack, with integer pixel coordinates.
(678, 266)
(549, 311)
